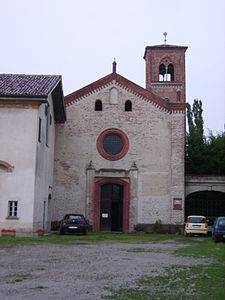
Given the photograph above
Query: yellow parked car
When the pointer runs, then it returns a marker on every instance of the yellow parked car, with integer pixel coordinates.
(196, 225)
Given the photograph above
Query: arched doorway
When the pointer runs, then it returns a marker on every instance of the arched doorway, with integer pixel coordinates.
(111, 195)
(207, 203)
(111, 207)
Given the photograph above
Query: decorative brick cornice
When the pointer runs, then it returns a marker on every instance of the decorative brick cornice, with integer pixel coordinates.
(177, 107)
(88, 90)
(116, 79)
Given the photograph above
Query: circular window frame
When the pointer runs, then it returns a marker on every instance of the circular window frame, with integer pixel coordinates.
(124, 138)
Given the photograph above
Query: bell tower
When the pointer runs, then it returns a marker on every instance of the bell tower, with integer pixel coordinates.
(165, 71)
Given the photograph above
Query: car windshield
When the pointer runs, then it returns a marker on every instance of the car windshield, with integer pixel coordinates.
(196, 219)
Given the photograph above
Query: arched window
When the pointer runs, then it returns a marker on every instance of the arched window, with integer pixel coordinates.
(170, 72)
(128, 105)
(5, 167)
(98, 105)
(162, 72)
(166, 73)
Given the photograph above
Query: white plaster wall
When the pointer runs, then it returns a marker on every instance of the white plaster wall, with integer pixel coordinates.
(149, 131)
(44, 168)
(18, 129)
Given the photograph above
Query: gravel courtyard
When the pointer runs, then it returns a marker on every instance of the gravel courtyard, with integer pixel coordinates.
(81, 271)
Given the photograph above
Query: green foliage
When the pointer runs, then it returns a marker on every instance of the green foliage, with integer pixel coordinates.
(157, 227)
(203, 156)
(140, 227)
(22, 277)
(215, 154)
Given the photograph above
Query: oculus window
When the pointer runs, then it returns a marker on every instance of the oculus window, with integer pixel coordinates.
(112, 144)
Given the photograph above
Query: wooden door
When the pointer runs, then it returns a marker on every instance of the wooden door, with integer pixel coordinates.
(111, 207)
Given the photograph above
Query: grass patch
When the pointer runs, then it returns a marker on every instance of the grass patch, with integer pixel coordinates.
(41, 269)
(91, 237)
(204, 248)
(137, 250)
(40, 287)
(196, 282)
(143, 250)
(183, 282)
(22, 277)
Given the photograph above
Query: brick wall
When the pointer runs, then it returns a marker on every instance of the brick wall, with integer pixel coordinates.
(154, 57)
(152, 133)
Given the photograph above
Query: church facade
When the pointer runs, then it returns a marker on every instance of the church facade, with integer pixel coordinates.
(119, 157)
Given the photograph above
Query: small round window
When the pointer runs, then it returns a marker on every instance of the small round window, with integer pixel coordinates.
(112, 144)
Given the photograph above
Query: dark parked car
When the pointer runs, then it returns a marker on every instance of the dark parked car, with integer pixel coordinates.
(74, 223)
(218, 233)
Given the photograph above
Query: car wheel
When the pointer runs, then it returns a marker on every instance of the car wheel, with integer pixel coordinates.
(85, 232)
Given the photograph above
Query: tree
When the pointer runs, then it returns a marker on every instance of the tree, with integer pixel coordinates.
(203, 155)
(215, 154)
(194, 159)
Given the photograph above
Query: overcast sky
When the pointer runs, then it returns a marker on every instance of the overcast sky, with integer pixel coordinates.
(79, 39)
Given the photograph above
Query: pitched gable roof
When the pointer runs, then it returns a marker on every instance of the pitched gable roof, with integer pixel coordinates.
(115, 78)
(23, 87)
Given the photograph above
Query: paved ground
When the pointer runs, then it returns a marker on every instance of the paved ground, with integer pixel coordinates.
(80, 271)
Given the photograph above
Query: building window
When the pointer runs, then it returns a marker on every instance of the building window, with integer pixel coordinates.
(47, 129)
(113, 144)
(5, 167)
(12, 209)
(39, 130)
(162, 72)
(128, 105)
(166, 73)
(177, 203)
(170, 73)
(98, 105)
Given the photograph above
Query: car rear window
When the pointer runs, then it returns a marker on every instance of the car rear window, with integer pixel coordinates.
(196, 220)
(74, 217)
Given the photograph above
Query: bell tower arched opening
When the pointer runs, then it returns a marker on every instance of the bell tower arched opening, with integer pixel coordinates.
(165, 71)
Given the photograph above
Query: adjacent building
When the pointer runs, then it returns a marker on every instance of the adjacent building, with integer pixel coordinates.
(30, 106)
